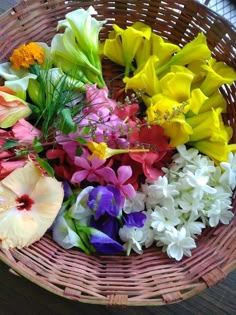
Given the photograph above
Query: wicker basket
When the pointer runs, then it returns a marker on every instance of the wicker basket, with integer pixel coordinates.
(152, 278)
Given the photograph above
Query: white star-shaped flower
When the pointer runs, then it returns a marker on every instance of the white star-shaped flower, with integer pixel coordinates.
(178, 243)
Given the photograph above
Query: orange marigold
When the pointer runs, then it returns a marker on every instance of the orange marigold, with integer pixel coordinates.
(26, 55)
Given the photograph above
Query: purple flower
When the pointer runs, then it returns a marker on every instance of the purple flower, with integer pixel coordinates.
(67, 189)
(105, 200)
(135, 219)
(103, 243)
(106, 224)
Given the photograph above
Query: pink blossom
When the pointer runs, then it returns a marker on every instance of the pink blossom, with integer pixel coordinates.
(120, 180)
(89, 170)
(98, 99)
(6, 167)
(23, 131)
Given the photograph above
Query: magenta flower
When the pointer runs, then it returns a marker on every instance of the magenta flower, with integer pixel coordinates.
(119, 180)
(90, 170)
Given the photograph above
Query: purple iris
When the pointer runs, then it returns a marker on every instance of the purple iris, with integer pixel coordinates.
(136, 219)
(106, 224)
(67, 189)
(103, 243)
(105, 200)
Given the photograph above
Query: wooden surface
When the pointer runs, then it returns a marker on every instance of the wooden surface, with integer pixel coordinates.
(19, 296)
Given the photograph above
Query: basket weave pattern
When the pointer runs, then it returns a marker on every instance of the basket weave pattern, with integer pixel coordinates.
(152, 278)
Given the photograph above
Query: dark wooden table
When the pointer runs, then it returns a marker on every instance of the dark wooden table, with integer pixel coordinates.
(19, 296)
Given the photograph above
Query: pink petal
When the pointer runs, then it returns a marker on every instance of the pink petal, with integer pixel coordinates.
(79, 176)
(96, 163)
(83, 163)
(108, 174)
(150, 172)
(124, 173)
(128, 190)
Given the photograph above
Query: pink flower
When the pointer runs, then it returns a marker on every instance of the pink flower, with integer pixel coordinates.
(98, 100)
(23, 131)
(6, 167)
(89, 170)
(120, 180)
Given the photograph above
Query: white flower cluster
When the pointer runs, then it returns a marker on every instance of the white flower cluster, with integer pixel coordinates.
(193, 194)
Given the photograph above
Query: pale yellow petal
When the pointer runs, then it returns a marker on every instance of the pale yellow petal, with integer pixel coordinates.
(17, 229)
(23, 180)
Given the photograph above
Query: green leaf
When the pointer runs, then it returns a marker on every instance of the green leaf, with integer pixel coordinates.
(45, 165)
(37, 145)
(87, 130)
(79, 151)
(9, 144)
(67, 124)
(81, 140)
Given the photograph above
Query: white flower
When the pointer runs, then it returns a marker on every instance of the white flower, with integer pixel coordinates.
(178, 243)
(133, 238)
(192, 226)
(202, 163)
(148, 232)
(229, 175)
(159, 191)
(187, 203)
(136, 204)
(63, 234)
(16, 80)
(184, 156)
(199, 183)
(219, 213)
(164, 218)
(80, 210)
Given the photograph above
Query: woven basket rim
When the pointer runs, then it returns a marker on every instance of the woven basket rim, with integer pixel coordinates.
(108, 281)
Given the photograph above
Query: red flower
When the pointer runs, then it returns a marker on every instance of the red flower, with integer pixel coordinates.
(153, 137)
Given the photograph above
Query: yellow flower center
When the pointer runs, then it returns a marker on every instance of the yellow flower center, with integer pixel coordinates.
(26, 55)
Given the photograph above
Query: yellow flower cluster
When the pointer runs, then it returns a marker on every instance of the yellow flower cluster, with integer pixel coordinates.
(27, 55)
(180, 85)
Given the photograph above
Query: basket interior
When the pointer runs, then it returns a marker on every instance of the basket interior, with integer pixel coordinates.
(152, 278)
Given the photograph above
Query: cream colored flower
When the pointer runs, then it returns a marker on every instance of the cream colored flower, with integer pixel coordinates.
(29, 203)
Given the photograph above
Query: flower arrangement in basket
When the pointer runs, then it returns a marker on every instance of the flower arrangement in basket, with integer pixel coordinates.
(106, 170)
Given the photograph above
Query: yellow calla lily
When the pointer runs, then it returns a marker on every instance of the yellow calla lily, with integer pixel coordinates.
(218, 151)
(159, 106)
(196, 102)
(218, 74)
(162, 49)
(145, 79)
(112, 48)
(177, 85)
(209, 125)
(144, 52)
(131, 39)
(214, 101)
(178, 130)
(196, 49)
